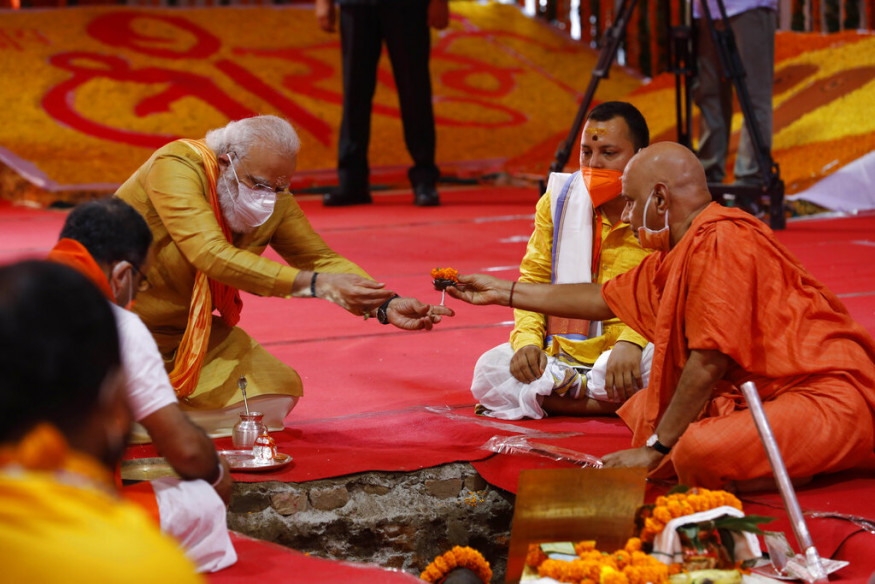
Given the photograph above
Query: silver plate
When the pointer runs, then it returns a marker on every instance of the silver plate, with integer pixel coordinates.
(245, 461)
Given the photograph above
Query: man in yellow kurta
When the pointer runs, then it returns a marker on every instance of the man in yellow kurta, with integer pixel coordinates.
(563, 366)
(61, 517)
(213, 206)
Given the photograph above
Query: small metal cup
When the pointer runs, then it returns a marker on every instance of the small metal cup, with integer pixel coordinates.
(247, 430)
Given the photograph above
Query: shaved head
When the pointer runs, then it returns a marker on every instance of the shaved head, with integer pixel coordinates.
(670, 175)
(672, 165)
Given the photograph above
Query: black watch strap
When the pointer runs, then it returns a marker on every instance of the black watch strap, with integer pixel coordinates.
(660, 447)
(382, 312)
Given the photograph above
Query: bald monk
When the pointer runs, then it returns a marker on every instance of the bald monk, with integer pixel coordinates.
(724, 303)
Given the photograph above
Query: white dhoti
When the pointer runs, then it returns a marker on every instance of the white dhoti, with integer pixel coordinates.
(194, 514)
(510, 399)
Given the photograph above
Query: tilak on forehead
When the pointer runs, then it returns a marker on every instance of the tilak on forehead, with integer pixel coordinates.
(596, 132)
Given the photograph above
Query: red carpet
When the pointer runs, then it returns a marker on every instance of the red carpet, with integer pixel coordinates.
(381, 399)
(261, 561)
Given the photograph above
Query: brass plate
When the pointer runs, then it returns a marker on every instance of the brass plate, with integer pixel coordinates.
(146, 469)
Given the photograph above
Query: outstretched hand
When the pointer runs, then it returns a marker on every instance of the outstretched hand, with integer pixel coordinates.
(354, 293)
(411, 314)
(634, 457)
(481, 289)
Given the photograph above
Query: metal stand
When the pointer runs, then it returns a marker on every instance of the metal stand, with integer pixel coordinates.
(683, 66)
(611, 42)
(800, 529)
(772, 188)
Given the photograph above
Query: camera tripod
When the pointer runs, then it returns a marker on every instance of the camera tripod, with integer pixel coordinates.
(749, 198)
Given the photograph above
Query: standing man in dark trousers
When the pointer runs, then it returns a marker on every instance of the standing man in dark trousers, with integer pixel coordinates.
(753, 25)
(404, 26)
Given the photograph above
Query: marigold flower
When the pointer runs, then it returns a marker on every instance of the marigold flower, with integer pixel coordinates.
(662, 514)
(445, 274)
(584, 546)
(535, 556)
(458, 557)
(553, 569)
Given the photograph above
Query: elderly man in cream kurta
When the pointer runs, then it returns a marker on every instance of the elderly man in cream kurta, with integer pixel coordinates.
(213, 207)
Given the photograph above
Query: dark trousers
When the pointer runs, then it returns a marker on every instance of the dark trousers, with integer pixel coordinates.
(754, 32)
(403, 26)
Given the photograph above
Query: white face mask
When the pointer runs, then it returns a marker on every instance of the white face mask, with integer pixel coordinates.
(251, 207)
(660, 240)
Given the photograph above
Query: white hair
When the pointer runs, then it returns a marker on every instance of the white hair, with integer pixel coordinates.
(238, 136)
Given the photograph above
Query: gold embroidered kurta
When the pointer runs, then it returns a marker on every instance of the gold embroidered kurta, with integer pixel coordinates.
(170, 191)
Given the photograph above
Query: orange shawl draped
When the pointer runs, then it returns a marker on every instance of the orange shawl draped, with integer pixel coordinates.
(730, 286)
(73, 254)
(206, 295)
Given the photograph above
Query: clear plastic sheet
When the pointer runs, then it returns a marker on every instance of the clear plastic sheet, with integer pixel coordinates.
(861, 522)
(523, 445)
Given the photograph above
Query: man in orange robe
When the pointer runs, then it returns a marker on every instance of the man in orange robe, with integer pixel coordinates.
(724, 303)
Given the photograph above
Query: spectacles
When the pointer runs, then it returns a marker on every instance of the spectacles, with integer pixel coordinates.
(144, 285)
(258, 185)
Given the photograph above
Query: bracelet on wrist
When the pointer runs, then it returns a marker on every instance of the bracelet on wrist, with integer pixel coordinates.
(383, 311)
(313, 285)
(220, 477)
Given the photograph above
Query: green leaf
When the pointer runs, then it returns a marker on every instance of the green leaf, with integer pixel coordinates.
(747, 523)
(691, 531)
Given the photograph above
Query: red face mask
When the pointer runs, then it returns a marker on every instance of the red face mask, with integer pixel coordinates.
(602, 184)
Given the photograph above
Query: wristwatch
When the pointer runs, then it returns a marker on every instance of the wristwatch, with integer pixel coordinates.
(654, 443)
(383, 311)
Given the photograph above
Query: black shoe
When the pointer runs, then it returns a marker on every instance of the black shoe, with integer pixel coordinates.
(425, 195)
(340, 199)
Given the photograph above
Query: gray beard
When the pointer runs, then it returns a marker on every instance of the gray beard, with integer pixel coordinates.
(227, 193)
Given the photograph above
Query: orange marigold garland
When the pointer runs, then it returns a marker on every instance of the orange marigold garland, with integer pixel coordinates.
(653, 518)
(629, 565)
(458, 557)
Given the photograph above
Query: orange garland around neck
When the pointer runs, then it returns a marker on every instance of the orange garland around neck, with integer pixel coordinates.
(206, 294)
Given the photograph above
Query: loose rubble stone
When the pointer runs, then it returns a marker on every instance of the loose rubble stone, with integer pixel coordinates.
(289, 502)
(444, 489)
(329, 498)
(475, 483)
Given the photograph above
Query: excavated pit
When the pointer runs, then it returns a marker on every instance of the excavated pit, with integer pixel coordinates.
(399, 520)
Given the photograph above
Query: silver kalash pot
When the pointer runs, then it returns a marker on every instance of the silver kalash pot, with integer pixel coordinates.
(247, 430)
